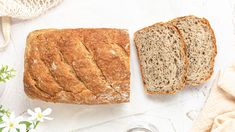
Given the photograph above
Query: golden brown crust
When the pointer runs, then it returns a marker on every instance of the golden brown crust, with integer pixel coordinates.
(215, 51)
(83, 66)
(183, 50)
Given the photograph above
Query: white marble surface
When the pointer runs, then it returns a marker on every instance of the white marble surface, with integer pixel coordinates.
(169, 113)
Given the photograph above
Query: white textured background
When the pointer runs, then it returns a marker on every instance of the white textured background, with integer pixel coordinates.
(169, 113)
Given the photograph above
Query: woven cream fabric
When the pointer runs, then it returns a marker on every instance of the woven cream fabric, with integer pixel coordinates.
(21, 9)
(218, 114)
(25, 9)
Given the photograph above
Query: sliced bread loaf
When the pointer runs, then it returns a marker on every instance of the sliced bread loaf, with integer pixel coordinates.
(162, 58)
(200, 47)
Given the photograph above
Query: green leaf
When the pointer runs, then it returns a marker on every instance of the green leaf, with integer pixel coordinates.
(27, 124)
(6, 73)
(4, 112)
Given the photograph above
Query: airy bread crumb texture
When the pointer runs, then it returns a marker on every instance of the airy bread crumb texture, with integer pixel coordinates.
(162, 58)
(200, 47)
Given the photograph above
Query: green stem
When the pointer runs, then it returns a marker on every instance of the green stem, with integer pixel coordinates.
(36, 124)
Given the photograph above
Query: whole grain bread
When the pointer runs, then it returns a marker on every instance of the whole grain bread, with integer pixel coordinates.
(162, 58)
(82, 66)
(200, 47)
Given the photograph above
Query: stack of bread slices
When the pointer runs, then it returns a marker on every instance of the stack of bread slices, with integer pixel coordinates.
(174, 54)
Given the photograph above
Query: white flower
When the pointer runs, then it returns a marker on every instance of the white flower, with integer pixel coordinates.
(11, 123)
(32, 130)
(39, 115)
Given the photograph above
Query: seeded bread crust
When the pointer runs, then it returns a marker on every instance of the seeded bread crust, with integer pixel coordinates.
(182, 50)
(212, 61)
(80, 66)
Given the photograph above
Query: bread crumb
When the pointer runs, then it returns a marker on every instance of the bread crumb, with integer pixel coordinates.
(117, 87)
(53, 66)
(125, 95)
(35, 61)
(73, 63)
(127, 46)
(113, 52)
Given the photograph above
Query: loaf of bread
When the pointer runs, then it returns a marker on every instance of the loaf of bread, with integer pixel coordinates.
(200, 47)
(82, 66)
(162, 58)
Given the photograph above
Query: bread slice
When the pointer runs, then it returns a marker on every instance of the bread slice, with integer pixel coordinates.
(200, 47)
(162, 58)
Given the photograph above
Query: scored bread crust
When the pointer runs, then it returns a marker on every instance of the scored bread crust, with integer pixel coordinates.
(82, 66)
(183, 49)
(205, 21)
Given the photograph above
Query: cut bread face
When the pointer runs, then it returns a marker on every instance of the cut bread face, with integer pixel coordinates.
(200, 47)
(162, 58)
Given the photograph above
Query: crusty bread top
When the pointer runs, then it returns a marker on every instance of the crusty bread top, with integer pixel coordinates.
(200, 47)
(83, 66)
(162, 58)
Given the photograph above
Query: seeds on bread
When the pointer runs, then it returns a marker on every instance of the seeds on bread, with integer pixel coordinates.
(156, 52)
(82, 66)
(200, 47)
(162, 59)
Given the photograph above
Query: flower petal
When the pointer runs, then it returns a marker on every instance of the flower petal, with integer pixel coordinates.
(3, 125)
(12, 116)
(22, 127)
(48, 118)
(5, 118)
(30, 112)
(40, 119)
(6, 129)
(47, 111)
(18, 119)
(32, 130)
(38, 110)
(31, 118)
(13, 130)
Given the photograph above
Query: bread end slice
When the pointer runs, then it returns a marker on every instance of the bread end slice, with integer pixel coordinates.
(200, 47)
